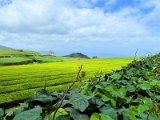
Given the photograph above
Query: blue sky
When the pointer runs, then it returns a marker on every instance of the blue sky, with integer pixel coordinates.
(106, 28)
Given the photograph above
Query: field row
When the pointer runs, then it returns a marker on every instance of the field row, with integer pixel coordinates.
(31, 85)
(31, 77)
(42, 79)
(20, 60)
(24, 94)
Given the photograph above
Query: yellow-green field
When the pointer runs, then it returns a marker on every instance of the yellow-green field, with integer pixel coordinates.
(22, 81)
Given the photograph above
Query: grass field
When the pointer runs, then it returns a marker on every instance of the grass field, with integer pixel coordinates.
(38, 59)
(20, 57)
(20, 82)
(44, 59)
(6, 51)
(15, 60)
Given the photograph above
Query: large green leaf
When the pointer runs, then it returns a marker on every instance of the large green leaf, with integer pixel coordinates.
(105, 117)
(115, 76)
(113, 102)
(98, 102)
(48, 117)
(43, 98)
(79, 101)
(148, 102)
(76, 115)
(32, 114)
(122, 92)
(142, 108)
(60, 112)
(115, 92)
(105, 98)
(11, 113)
(145, 86)
(154, 116)
(95, 116)
(101, 116)
(99, 87)
(131, 88)
(63, 117)
(65, 102)
(129, 113)
(147, 105)
(60, 117)
(86, 89)
(108, 110)
(110, 91)
(158, 97)
(1, 112)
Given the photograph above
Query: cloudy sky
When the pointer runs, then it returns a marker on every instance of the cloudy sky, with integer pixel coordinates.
(104, 28)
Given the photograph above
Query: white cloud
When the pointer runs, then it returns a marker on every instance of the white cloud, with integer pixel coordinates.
(69, 23)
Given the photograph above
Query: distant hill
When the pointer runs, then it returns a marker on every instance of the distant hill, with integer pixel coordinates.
(77, 55)
(1, 46)
(5, 51)
(9, 56)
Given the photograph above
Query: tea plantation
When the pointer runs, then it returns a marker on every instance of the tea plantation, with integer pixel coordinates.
(22, 81)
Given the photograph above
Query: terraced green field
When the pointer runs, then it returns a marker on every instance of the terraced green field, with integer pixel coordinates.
(39, 59)
(20, 82)
(21, 57)
(14, 60)
(5, 51)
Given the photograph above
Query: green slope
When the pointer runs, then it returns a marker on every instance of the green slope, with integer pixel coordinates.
(14, 57)
(13, 52)
(77, 55)
(1, 46)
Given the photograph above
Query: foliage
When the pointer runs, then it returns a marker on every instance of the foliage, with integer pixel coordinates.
(32, 114)
(131, 93)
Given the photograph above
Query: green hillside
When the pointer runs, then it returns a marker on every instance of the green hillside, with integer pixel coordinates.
(1, 46)
(10, 56)
(13, 52)
(77, 55)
